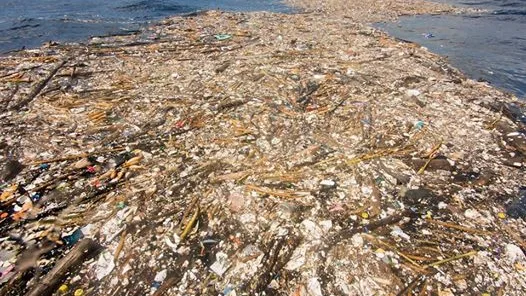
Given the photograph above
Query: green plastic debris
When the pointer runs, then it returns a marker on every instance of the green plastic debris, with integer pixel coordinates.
(121, 205)
(221, 37)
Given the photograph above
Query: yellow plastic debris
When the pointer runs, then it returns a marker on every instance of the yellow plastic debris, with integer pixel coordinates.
(428, 215)
(79, 292)
(501, 215)
(63, 289)
(365, 215)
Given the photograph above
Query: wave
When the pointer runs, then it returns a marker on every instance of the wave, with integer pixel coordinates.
(509, 12)
(478, 3)
(24, 27)
(155, 5)
(512, 4)
(494, 3)
(20, 24)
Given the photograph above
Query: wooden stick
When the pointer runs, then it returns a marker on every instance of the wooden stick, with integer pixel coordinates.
(120, 246)
(32, 95)
(452, 258)
(430, 156)
(458, 227)
(190, 224)
(377, 154)
(277, 193)
(82, 251)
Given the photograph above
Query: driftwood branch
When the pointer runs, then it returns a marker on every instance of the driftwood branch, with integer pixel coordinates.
(40, 86)
(82, 251)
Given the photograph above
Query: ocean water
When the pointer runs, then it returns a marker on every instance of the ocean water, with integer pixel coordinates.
(488, 46)
(29, 23)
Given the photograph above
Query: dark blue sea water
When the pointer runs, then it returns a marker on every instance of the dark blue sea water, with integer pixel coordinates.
(489, 46)
(29, 23)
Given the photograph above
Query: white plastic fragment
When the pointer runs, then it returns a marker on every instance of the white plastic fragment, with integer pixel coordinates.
(357, 240)
(104, 265)
(311, 230)
(274, 284)
(472, 214)
(87, 230)
(514, 253)
(160, 276)
(297, 259)
(412, 92)
(326, 225)
(398, 232)
(328, 183)
(314, 287)
(173, 245)
(221, 265)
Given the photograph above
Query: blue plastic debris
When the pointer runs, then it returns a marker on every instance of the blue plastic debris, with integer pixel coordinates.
(36, 197)
(419, 124)
(74, 237)
(156, 284)
(44, 166)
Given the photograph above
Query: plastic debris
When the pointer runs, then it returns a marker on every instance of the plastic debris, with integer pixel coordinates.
(221, 264)
(328, 183)
(514, 253)
(160, 276)
(413, 92)
(311, 230)
(44, 166)
(297, 259)
(74, 237)
(397, 232)
(419, 124)
(221, 37)
(105, 265)
(63, 289)
(314, 287)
